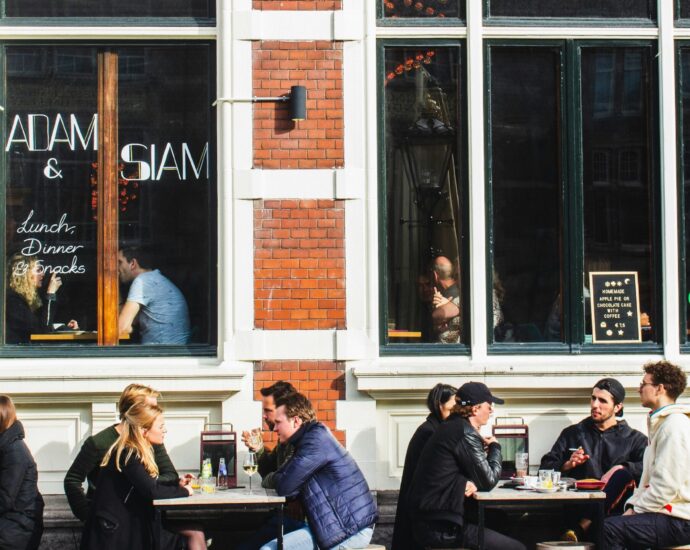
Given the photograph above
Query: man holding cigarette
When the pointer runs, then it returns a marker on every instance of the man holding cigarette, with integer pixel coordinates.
(601, 446)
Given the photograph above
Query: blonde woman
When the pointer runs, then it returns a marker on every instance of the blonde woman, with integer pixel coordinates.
(122, 514)
(21, 505)
(26, 312)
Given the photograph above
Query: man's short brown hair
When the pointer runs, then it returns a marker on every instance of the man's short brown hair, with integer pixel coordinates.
(671, 376)
(297, 405)
(463, 410)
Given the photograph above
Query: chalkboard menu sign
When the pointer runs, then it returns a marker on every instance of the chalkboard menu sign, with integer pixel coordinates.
(615, 307)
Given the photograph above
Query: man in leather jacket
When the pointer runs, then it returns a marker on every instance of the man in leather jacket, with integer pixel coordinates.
(603, 447)
(455, 463)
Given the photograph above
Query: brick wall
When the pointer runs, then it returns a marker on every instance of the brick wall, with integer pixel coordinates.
(299, 264)
(323, 382)
(306, 5)
(316, 142)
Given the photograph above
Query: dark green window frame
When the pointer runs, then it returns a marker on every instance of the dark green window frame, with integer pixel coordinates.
(572, 240)
(565, 22)
(427, 349)
(75, 351)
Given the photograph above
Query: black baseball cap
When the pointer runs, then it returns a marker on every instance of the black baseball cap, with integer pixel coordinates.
(475, 393)
(614, 387)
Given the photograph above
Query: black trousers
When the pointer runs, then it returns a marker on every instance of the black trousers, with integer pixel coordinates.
(443, 534)
(641, 531)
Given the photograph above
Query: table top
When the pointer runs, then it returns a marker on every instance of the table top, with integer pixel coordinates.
(70, 336)
(499, 494)
(225, 498)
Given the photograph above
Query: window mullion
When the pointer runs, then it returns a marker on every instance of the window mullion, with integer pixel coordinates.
(108, 199)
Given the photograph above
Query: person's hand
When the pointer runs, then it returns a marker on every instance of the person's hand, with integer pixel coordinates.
(470, 489)
(54, 284)
(629, 512)
(439, 300)
(190, 491)
(186, 480)
(578, 457)
(73, 325)
(605, 478)
(489, 440)
(252, 439)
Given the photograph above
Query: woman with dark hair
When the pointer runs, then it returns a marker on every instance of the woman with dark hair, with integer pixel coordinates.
(21, 505)
(440, 402)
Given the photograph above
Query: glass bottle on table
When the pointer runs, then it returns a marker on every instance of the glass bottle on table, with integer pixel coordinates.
(250, 467)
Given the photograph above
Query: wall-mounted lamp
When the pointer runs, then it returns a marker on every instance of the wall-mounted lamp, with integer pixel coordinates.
(297, 99)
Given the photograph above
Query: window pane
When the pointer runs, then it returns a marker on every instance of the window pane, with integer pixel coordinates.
(424, 184)
(526, 175)
(110, 8)
(617, 171)
(580, 9)
(50, 151)
(167, 194)
(439, 9)
(684, 9)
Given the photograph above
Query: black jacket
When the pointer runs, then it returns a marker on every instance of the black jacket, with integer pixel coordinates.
(122, 513)
(22, 322)
(402, 532)
(452, 456)
(618, 445)
(21, 505)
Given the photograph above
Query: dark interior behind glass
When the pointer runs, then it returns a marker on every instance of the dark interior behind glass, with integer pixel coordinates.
(580, 9)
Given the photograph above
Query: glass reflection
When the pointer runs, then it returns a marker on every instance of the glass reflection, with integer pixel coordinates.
(110, 8)
(617, 140)
(424, 195)
(526, 177)
(51, 130)
(439, 9)
(580, 9)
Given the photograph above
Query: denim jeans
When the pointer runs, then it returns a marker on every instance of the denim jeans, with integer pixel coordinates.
(302, 539)
(268, 530)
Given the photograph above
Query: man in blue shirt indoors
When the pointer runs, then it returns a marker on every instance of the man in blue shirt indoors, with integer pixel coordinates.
(153, 300)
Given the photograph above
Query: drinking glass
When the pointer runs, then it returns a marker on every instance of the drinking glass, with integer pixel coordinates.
(250, 467)
(255, 439)
(545, 479)
(208, 485)
(555, 478)
(521, 465)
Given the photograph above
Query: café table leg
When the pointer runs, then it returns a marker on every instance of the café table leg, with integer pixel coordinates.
(480, 526)
(600, 523)
(281, 510)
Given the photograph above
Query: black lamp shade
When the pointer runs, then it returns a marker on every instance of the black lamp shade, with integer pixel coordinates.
(298, 103)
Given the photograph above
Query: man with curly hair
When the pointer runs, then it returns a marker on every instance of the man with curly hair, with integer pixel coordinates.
(658, 513)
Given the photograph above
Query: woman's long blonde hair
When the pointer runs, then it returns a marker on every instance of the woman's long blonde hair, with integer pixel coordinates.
(139, 417)
(19, 270)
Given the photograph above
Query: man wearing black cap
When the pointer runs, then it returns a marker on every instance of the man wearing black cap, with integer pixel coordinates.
(603, 447)
(455, 463)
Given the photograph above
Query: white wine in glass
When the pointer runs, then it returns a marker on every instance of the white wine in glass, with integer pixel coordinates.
(250, 467)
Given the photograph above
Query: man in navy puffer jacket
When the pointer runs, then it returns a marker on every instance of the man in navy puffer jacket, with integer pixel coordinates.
(340, 510)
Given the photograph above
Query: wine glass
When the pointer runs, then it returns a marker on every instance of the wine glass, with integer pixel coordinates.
(250, 467)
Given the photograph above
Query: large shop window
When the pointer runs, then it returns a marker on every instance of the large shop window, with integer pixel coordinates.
(573, 172)
(424, 294)
(109, 195)
(641, 10)
(204, 9)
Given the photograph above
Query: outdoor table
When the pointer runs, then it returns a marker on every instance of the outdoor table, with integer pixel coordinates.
(499, 497)
(230, 500)
(71, 335)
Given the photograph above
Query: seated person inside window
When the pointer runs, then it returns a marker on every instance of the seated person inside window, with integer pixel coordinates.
(446, 302)
(27, 313)
(153, 300)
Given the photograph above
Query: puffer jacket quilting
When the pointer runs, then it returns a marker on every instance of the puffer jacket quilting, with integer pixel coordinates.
(329, 483)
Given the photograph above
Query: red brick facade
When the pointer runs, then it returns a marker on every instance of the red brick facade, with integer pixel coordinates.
(306, 5)
(316, 142)
(299, 264)
(323, 382)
